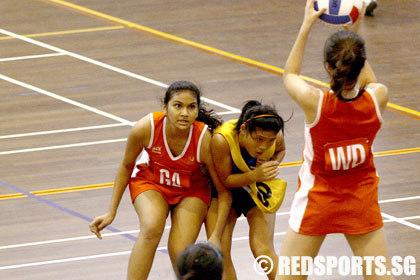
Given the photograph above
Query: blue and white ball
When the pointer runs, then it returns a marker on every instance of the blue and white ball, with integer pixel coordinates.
(339, 12)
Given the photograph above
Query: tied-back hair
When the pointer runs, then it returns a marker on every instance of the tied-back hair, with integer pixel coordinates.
(208, 117)
(345, 53)
(200, 261)
(254, 114)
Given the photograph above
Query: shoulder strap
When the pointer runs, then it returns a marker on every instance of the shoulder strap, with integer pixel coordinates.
(228, 131)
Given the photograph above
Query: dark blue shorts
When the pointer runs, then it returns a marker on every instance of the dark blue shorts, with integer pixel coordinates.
(241, 201)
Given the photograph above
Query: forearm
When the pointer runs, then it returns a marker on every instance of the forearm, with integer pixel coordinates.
(367, 75)
(279, 156)
(240, 179)
(120, 184)
(294, 61)
(223, 208)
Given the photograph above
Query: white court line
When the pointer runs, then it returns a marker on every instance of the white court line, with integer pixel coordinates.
(62, 130)
(84, 58)
(30, 57)
(64, 260)
(107, 66)
(137, 231)
(399, 199)
(89, 237)
(228, 112)
(64, 99)
(232, 109)
(80, 128)
(63, 146)
(99, 256)
(70, 239)
(391, 219)
(401, 221)
(404, 219)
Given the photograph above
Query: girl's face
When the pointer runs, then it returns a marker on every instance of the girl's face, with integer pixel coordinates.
(258, 141)
(182, 109)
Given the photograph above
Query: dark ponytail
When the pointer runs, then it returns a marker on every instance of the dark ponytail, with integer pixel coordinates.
(345, 54)
(254, 114)
(208, 117)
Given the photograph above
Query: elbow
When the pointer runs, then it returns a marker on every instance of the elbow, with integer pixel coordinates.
(229, 185)
(128, 167)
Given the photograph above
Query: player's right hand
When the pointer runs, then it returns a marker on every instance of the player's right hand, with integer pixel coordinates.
(100, 223)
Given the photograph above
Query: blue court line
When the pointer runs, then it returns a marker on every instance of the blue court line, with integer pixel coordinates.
(78, 88)
(28, 93)
(61, 208)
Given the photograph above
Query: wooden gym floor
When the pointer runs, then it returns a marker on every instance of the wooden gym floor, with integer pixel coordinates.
(75, 75)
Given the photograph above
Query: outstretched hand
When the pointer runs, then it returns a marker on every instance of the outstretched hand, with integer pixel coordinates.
(311, 15)
(100, 223)
(354, 27)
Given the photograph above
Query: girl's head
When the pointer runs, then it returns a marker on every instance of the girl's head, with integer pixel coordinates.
(344, 56)
(182, 105)
(259, 125)
(179, 86)
(200, 261)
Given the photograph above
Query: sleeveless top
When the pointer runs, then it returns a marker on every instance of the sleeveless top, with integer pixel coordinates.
(337, 181)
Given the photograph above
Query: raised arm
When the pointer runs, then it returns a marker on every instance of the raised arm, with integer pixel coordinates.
(367, 78)
(138, 139)
(305, 95)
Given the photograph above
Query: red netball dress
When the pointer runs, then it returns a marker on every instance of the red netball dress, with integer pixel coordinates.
(175, 177)
(338, 182)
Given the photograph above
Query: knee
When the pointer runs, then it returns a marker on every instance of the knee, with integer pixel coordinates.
(261, 247)
(175, 250)
(151, 232)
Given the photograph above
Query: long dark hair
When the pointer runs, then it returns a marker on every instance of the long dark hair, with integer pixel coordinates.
(200, 261)
(208, 117)
(345, 54)
(254, 115)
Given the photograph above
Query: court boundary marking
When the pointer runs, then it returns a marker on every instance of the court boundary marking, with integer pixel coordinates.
(402, 221)
(74, 31)
(389, 217)
(390, 106)
(110, 185)
(60, 51)
(201, 47)
(30, 57)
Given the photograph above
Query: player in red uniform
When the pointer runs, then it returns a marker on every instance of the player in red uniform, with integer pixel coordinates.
(172, 181)
(337, 181)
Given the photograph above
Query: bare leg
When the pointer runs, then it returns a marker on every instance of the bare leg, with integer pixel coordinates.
(211, 217)
(295, 244)
(187, 218)
(261, 234)
(371, 244)
(151, 229)
(229, 272)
